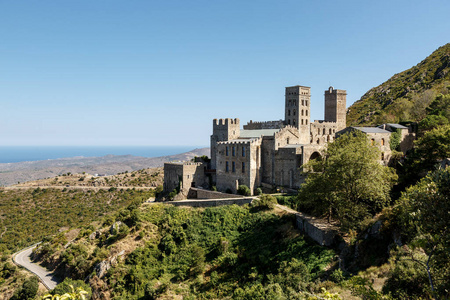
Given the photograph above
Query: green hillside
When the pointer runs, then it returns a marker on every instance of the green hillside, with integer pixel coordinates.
(406, 95)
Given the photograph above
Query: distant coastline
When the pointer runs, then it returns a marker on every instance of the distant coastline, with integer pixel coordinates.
(108, 163)
(15, 154)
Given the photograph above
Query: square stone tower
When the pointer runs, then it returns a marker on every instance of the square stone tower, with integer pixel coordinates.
(223, 130)
(335, 107)
(297, 110)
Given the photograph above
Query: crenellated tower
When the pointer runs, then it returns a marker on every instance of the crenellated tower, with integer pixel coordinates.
(335, 107)
(223, 130)
(297, 110)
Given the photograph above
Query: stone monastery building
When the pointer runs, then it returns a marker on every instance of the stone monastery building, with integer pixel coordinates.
(269, 153)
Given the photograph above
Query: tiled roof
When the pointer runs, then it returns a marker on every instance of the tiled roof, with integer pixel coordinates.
(371, 129)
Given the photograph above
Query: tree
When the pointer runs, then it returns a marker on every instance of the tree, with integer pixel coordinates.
(28, 290)
(424, 213)
(348, 184)
(434, 145)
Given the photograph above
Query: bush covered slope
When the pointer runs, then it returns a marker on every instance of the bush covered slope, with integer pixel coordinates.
(213, 253)
(405, 95)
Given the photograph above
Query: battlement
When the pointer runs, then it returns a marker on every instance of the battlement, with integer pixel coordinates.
(264, 125)
(225, 122)
(332, 90)
(240, 142)
(323, 122)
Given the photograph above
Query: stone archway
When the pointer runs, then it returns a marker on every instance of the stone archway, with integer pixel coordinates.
(315, 155)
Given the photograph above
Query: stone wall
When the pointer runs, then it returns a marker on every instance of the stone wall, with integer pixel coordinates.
(195, 193)
(211, 203)
(287, 166)
(319, 230)
(322, 132)
(238, 163)
(184, 176)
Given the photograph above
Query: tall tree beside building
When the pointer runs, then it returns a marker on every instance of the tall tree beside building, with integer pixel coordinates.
(348, 184)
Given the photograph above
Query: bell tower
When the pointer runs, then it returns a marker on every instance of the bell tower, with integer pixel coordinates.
(297, 110)
(335, 107)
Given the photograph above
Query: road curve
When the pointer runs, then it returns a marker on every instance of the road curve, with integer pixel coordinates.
(22, 258)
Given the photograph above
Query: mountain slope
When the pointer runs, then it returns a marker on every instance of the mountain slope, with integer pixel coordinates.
(405, 96)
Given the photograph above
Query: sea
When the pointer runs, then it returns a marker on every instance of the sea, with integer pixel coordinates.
(12, 154)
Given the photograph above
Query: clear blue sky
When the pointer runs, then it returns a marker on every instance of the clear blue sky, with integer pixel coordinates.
(157, 72)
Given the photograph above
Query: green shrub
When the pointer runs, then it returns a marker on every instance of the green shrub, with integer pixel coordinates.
(64, 287)
(244, 190)
(28, 290)
(258, 192)
(265, 202)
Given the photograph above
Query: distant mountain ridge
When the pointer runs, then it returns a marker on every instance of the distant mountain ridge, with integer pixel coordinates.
(11, 173)
(404, 96)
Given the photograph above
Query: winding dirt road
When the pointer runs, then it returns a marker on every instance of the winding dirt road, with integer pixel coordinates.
(22, 258)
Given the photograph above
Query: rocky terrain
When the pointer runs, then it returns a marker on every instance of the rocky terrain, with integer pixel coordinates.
(13, 173)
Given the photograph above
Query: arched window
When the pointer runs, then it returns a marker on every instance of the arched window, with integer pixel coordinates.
(287, 141)
(372, 142)
(382, 155)
(306, 122)
(306, 113)
(318, 130)
(293, 122)
(302, 121)
(294, 111)
(323, 131)
(302, 112)
(289, 112)
(318, 141)
(382, 142)
(328, 138)
(330, 131)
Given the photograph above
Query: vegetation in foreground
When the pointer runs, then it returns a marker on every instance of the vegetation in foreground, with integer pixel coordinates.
(212, 253)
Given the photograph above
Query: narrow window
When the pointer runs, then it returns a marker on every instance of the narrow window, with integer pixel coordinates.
(318, 141)
(243, 151)
(243, 167)
(287, 141)
(227, 168)
(382, 142)
(302, 121)
(289, 112)
(233, 167)
(293, 122)
(289, 122)
(306, 113)
(330, 130)
(318, 130)
(382, 155)
(302, 112)
(226, 151)
(306, 102)
(306, 122)
(372, 142)
(328, 138)
(233, 151)
(323, 131)
(294, 112)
